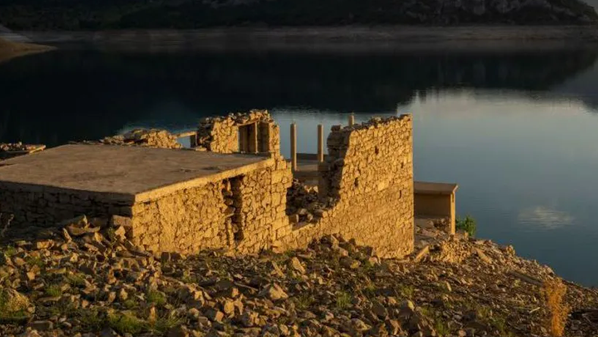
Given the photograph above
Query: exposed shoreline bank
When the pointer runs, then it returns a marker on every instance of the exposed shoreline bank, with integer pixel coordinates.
(10, 50)
(352, 37)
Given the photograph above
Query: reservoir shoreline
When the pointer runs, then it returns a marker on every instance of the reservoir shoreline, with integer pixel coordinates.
(323, 38)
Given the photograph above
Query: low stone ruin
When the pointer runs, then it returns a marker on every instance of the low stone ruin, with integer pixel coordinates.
(365, 189)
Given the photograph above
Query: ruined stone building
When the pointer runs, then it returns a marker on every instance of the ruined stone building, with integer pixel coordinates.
(235, 191)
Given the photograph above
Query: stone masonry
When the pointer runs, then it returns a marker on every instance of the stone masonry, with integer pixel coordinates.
(254, 132)
(369, 176)
(185, 201)
(241, 212)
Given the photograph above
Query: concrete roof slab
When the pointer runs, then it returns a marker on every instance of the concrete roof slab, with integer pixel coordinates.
(123, 170)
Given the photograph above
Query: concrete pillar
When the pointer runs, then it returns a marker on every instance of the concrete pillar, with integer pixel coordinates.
(193, 140)
(453, 216)
(294, 147)
(351, 119)
(253, 145)
(320, 143)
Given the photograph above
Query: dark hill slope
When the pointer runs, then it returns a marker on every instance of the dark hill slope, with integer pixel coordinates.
(75, 15)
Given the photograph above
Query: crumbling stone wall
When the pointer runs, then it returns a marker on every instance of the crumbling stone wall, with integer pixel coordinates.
(221, 134)
(365, 193)
(369, 176)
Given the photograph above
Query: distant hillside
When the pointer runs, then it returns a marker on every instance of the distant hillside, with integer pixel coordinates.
(109, 14)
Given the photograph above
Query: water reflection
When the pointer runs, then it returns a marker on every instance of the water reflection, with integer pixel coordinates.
(76, 94)
(545, 217)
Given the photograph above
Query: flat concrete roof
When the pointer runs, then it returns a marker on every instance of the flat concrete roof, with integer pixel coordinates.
(126, 173)
(423, 187)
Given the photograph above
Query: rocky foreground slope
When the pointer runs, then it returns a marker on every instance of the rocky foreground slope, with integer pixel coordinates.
(84, 278)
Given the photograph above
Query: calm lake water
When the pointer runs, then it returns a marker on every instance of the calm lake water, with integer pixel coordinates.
(517, 131)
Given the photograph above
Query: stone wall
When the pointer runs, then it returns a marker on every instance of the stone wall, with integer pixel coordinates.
(369, 176)
(241, 213)
(253, 132)
(43, 206)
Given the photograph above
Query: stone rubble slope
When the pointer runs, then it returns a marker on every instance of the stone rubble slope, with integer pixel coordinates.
(85, 278)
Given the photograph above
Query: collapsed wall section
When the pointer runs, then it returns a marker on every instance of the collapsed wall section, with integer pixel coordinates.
(369, 175)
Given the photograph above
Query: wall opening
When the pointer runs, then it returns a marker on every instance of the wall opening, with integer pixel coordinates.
(248, 138)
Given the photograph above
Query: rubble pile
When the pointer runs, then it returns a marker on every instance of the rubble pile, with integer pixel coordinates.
(9, 150)
(85, 278)
(304, 204)
(142, 137)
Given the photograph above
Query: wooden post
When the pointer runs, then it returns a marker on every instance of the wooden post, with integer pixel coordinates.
(320, 143)
(294, 147)
(351, 119)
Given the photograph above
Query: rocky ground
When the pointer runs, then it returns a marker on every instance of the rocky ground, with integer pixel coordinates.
(84, 278)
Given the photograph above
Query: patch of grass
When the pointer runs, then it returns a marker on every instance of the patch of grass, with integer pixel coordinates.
(91, 320)
(369, 290)
(406, 291)
(53, 291)
(441, 327)
(304, 301)
(427, 312)
(131, 303)
(164, 324)
(77, 280)
(9, 251)
(554, 292)
(343, 300)
(61, 308)
(367, 266)
(500, 324)
(12, 311)
(467, 225)
(484, 312)
(156, 297)
(188, 278)
(35, 261)
(111, 234)
(126, 322)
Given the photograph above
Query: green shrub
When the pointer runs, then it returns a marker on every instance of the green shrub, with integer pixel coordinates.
(467, 225)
